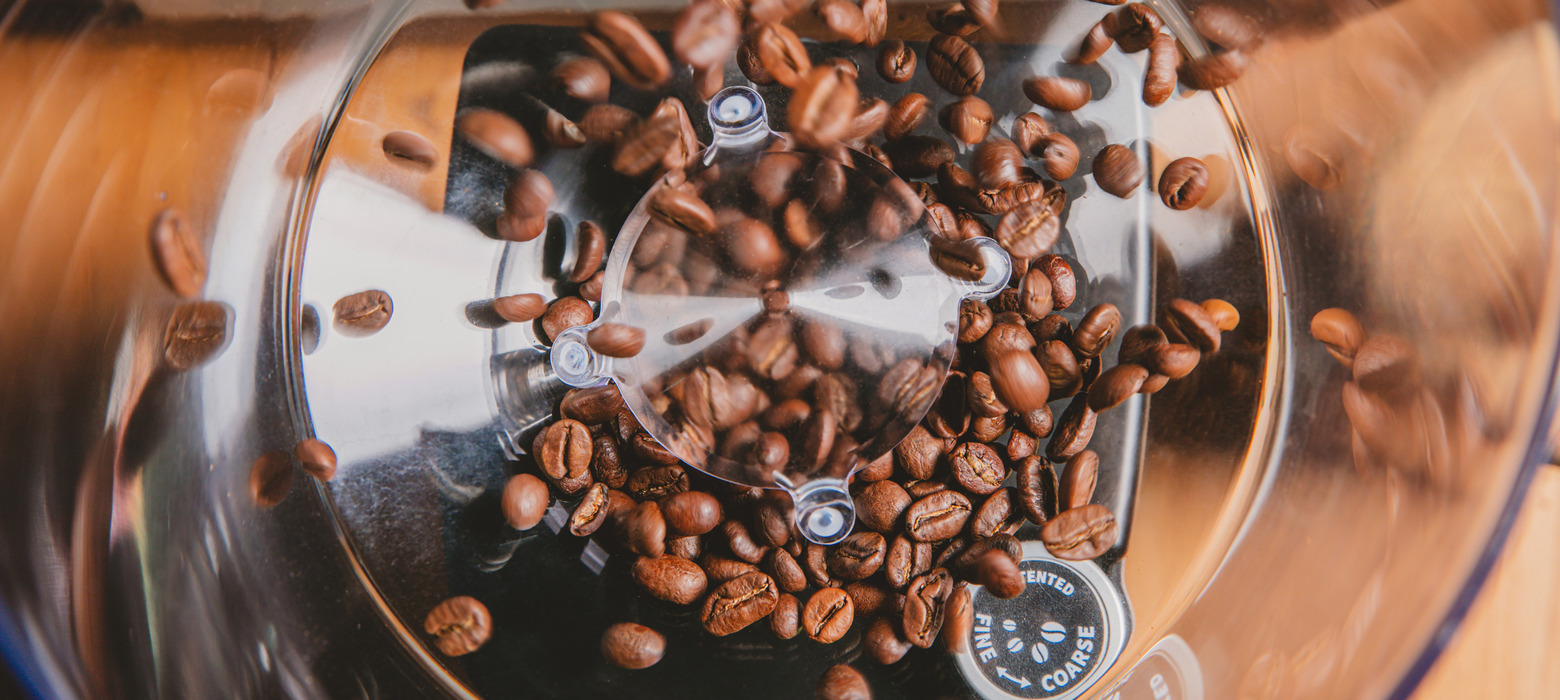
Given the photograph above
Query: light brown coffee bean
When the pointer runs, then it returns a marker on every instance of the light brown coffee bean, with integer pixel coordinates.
(1225, 26)
(738, 603)
(952, 19)
(673, 579)
(363, 314)
(178, 255)
(1214, 71)
(904, 116)
(529, 195)
(968, 119)
(828, 615)
(781, 54)
(645, 146)
(822, 106)
(1174, 360)
(705, 33)
(565, 313)
(317, 458)
(1006, 336)
(459, 625)
(1073, 430)
(885, 643)
(843, 18)
(1340, 331)
(926, 601)
(559, 131)
(1194, 324)
(1058, 155)
(1028, 130)
(410, 148)
(955, 65)
(691, 513)
(632, 646)
(1223, 313)
(1064, 284)
(1077, 484)
(975, 319)
(645, 530)
(937, 517)
(1096, 330)
(1057, 93)
(583, 78)
(606, 123)
(1035, 294)
(998, 164)
(1019, 381)
(959, 620)
(1081, 533)
(1183, 183)
(1094, 44)
(270, 478)
(593, 511)
(881, 505)
(498, 135)
(977, 468)
(196, 333)
(1134, 27)
(520, 308)
(896, 61)
(1118, 171)
(1163, 61)
(1116, 385)
(590, 247)
(622, 43)
(616, 339)
(842, 682)
(786, 619)
(524, 501)
(1029, 230)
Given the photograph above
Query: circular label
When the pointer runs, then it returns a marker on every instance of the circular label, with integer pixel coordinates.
(1053, 641)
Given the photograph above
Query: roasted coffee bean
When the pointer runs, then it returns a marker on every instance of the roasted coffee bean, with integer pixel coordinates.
(999, 575)
(823, 342)
(753, 246)
(738, 603)
(1223, 313)
(1194, 324)
(788, 574)
(1029, 230)
(590, 248)
(524, 501)
(952, 19)
(1140, 344)
(919, 156)
(317, 458)
(270, 478)
(1080, 533)
(1038, 422)
(871, 114)
(364, 313)
(926, 601)
(998, 164)
(1095, 43)
(982, 397)
(683, 210)
(705, 33)
(843, 18)
(1341, 332)
(645, 530)
(786, 619)
(951, 551)
(968, 119)
(920, 489)
(1096, 330)
(1077, 485)
(786, 415)
(197, 331)
(1118, 171)
(606, 123)
(1135, 27)
(896, 61)
(724, 568)
(1174, 360)
(1214, 71)
(632, 646)
(1005, 337)
(1183, 183)
(529, 195)
(881, 505)
(410, 148)
(871, 599)
(837, 394)
(592, 406)
(958, 621)
(857, 556)
(904, 116)
(606, 461)
(498, 135)
(842, 682)
(709, 81)
(592, 512)
(583, 79)
(559, 131)
(906, 560)
(828, 615)
(992, 514)
(1035, 294)
(750, 64)
(781, 54)
(943, 221)
(690, 548)
(963, 562)
(565, 313)
(884, 641)
(977, 468)
(1064, 284)
(816, 562)
(691, 513)
(622, 43)
(918, 454)
(1019, 381)
(1073, 430)
(1225, 26)
(975, 319)
(655, 482)
(1388, 365)
(1116, 385)
(1058, 94)
(670, 578)
(1159, 81)
(1021, 445)
(459, 625)
(771, 351)
(1058, 155)
(1037, 489)
(772, 522)
(1027, 131)
(616, 339)
(563, 450)
(937, 517)
(740, 542)
(519, 229)
(645, 146)
(955, 65)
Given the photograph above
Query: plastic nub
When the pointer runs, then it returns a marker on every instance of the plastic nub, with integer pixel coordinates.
(737, 115)
(574, 362)
(825, 512)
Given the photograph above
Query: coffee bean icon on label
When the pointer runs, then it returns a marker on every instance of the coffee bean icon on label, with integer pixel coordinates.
(1053, 632)
(1015, 645)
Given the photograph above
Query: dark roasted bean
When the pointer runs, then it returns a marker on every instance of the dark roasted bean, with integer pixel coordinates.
(955, 65)
(977, 467)
(690, 548)
(828, 615)
(857, 556)
(1080, 533)
(1073, 430)
(918, 454)
(937, 517)
(919, 156)
(786, 619)
(926, 602)
(740, 543)
(968, 119)
(906, 560)
(1096, 330)
(498, 135)
(982, 397)
(738, 603)
(606, 462)
(975, 319)
(459, 625)
(632, 646)
(1115, 385)
(1183, 183)
(992, 514)
(1135, 27)
(725, 569)
(657, 481)
(896, 61)
(622, 43)
(1118, 171)
(885, 643)
(1057, 93)
(1037, 489)
(842, 682)
(592, 406)
(682, 209)
(1021, 445)
(196, 333)
(563, 452)
(788, 574)
(1077, 484)
(691, 513)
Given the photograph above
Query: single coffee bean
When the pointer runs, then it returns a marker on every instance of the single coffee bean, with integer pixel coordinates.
(1028, 130)
(690, 548)
(740, 542)
(871, 114)
(1035, 294)
(1225, 26)
(1058, 94)
(982, 397)
(559, 131)
(498, 135)
(968, 119)
(622, 43)
(1163, 61)
(750, 64)
(1058, 155)
(724, 569)
(1116, 385)
(1080, 533)
(937, 517)
(270, 478)
(977, 468)
(524, 501)
(738, 603)
(1021, 445)
(955, 65)
(691, 513)
(410, 148)
(786, 619)
(919, 156)
(857, 556)
(645, 146)
(959, 620)
(632, 646)
(317, 458)
(925, 487)
(906, 559)
(1388, 365)
(364, 313)
(885, 643)
(529, 195)
(999, 575)
(992, 514)
(1118, 171)
(781, 54)
(593, 511)
(1038, 422)
(896, 61)
(590, 246)
(1340, 331)
(1073, 430)
(1174, 360)
(871, 599)
(1223, 313)
(828, 615)
(772, 352)
(1135, 27)
(975, 320)
(843, 18)
(563, 450)
(1194, 324)
(565, 313)
(1214, 71)
(197, 331)
(583, 78)
(918, 454)
(459, 625)
(670, 578)
(1005, 337)
(1029, 230)
(952, 19)
(520, 307)
(606, 123)
(1096, 330)
(787, 572)
(1019, 381)
(926, 601)
(1064, 284)
(998, 164)
(880, 506)
(1095, 43)
(1077, 485)
(904, 116)
(843, 683)
(987, 429)
(705, 33)
(616, 339)
(683, 210)
(1037, 489)
(1183, 183)
(592, 406)
(645, 530)
(822, 107)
